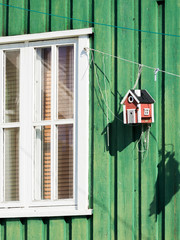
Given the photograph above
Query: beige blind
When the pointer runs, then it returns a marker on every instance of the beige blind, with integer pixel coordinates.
(11, 153)
(66, 82)
(11, 135)
(46, 115)
(46, 84)
(65, 111)
(65, 161)
(12, 86)
(46, 152)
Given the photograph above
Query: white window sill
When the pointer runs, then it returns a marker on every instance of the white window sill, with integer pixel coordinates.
(42, 212)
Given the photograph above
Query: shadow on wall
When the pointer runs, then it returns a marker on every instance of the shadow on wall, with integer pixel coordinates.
(126, 134)
(167, 183)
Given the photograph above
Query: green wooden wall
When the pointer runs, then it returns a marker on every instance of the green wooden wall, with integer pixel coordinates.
(134, 195)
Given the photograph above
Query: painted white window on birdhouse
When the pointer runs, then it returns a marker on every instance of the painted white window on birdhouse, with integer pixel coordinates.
(146, 111)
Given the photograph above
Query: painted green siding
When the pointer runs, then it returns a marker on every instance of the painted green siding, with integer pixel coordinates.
(133, 195)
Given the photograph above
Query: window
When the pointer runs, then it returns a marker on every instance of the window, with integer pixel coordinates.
(146, 111)
(44, 124)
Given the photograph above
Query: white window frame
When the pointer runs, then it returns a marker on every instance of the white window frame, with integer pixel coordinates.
(26, 43)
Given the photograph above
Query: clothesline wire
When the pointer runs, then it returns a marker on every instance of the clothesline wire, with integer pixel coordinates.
(133, 62)
(91, 22)
(100, 89)
(105, 99)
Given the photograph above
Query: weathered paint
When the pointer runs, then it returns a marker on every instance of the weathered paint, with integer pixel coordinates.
(131, 195)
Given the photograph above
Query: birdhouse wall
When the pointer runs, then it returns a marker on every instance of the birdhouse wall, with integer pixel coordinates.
(129, 105)
(145, 117)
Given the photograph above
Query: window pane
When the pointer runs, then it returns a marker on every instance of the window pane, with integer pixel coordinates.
(65, 161)
(43, 161)
(43, 84)
(12, 86)
(65, 82)
(11, 155)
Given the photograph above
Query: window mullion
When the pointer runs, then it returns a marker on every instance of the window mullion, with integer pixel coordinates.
(1, 86)
(28, 117)
(23, 127)
(36, 116)
(1, 165)
(75, 125)
(37, 85)
(37, 165)
(54, 83)
(53, 117)
(1, 130)
(55, 166)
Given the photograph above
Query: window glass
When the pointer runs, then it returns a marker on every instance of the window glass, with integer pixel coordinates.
(65, 82)
(43, 162)
(11, 162)
(11, 110)
(43, 84)
(65, 161)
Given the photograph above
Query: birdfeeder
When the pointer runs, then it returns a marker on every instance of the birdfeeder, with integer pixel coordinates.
(138, 107)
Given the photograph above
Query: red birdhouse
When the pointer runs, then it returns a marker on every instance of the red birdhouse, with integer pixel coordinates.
(138, 107)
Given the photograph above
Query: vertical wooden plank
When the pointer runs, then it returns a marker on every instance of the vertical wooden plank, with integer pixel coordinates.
(158, 198)
(3, 20)
(17, 18)
(35, 229)
(149, 159)
(61, 8)
(57, 229)
(39, 22)
(80, 10)
(125, 146)
(101, 161)
(91, 140)
(172, 113)
(2, 230)
(111, 121)
(79, 229)
(136, 190)
(14, 230)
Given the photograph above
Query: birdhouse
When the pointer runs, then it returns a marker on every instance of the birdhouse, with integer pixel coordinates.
(138, 107)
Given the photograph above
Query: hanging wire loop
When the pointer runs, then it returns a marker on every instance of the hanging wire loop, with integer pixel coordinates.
(139, 75)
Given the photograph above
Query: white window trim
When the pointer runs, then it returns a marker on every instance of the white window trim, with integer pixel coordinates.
(46, 208)
(124, 114)
(139, 113)
(46, 36)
